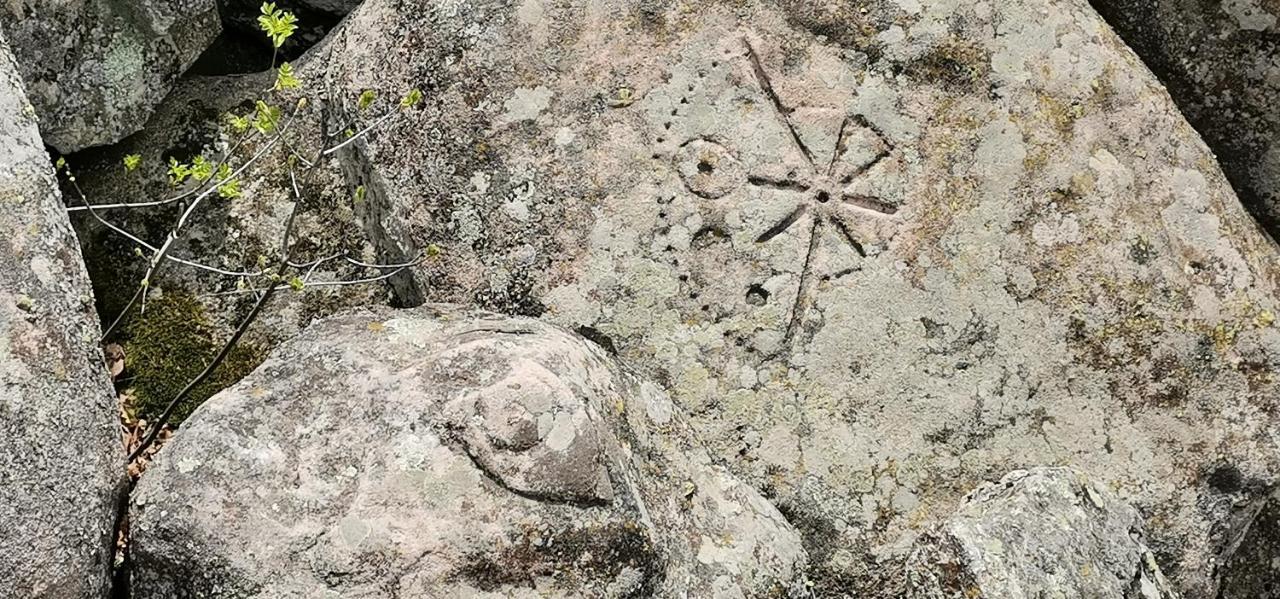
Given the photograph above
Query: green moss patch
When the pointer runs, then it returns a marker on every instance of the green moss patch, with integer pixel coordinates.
(170, 345)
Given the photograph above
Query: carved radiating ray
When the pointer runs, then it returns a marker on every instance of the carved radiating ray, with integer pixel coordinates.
(766, 84)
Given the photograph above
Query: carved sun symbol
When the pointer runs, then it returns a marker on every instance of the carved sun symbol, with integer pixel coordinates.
(825, 194)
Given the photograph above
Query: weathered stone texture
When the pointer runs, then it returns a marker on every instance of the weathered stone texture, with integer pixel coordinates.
(94, 69)
(1047, 532)
(61, 460)
(442, 452)
(879, 252)
(1221, 63)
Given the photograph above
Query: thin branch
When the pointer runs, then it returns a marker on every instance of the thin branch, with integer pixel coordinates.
(166, 201)
(384, 119)
(182, 220)
(202, 377)
(151, 248)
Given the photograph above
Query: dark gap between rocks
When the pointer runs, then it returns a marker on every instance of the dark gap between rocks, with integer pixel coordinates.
(242, 47)
(1218, 115)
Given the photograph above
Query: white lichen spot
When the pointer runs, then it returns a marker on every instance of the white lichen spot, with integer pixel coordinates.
(526, 104)
(1250, 14)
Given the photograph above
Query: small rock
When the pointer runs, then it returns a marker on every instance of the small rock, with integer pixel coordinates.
(1045, 532)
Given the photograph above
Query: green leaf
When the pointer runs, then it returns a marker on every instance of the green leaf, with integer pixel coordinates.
(434, 250)
(224, 172)
(360, 193)
(285, 78)
(230, 189)
(411, 99)
(277, 24)
(238, 123)
(132, 162)
(297, 283)
(201, 168)
(366, 100)
(266, 118)
(178, 172)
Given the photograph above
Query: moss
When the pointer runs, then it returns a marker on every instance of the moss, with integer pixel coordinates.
(170, 345)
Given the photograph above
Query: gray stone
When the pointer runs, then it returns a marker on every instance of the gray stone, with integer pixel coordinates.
(94, 69)
(1219, 61)
(1047, 532)
(448, 453)
(61, 457)
(972, 237)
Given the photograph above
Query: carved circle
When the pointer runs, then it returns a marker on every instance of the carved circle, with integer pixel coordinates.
(709, 169)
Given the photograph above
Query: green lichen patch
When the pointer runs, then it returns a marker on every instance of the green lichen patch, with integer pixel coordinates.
(169, 345)
(599, 552)
(955, 64)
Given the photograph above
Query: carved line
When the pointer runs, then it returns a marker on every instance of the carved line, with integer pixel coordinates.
(870, 203)
(841, 146)
(779, 184)
(763, 78)
(783, 224)
(848, 236)
(802, 292)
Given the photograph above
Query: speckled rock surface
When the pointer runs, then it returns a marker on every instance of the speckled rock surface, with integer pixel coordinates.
(232, 235)
(1221, 63)
(61, 458)
(1047, 532)
(878, 252)
(94, 69)
(445, 453)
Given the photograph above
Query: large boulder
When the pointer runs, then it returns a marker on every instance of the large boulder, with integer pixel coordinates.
(1219, 61)
(61, 457)
(94, 69)
(1047, 532)
(165, 346)
(449, 453)
(879, 251)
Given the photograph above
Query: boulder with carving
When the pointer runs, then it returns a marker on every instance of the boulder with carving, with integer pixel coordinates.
(880, 252)
(441, 452)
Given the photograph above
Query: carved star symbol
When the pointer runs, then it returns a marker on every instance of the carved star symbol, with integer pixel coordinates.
(825, 193)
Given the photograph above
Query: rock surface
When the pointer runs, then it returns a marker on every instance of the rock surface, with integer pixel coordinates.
(879, 253)
(1221, 63)
(448, 453)
(1048, 532)
(61, 460)
(94, 69)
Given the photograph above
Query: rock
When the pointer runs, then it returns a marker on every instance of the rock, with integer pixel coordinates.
(1047, 532)
(61, 458)
(192, 311)
(1251, 560)
(1218, 60)
(94, 69)
(449, 453)
(879, 253)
